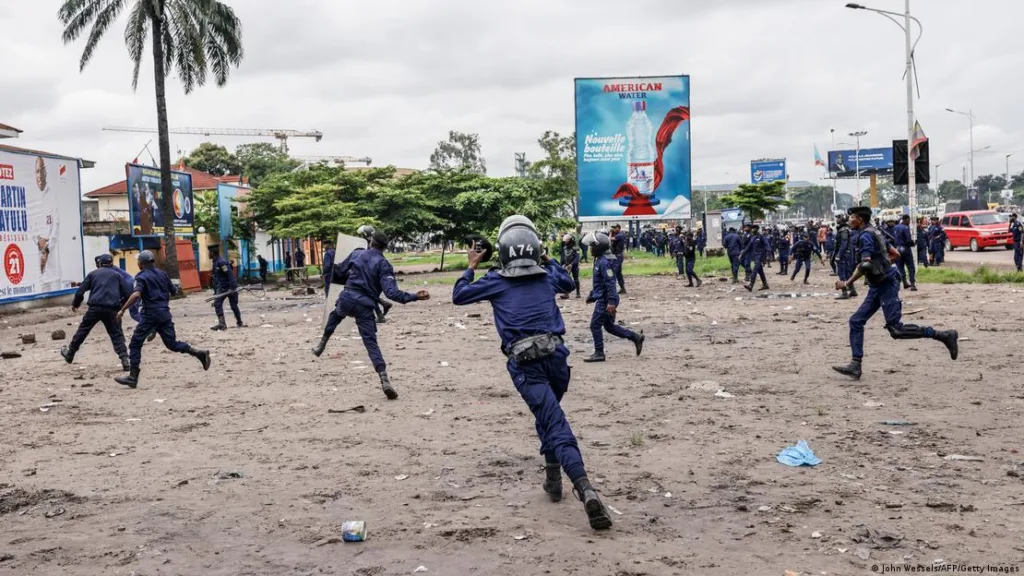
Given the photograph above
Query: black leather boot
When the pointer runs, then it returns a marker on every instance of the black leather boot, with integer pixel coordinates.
(638, 341)
(553, 481)
(131, 380)
(319, 348)
(68, 355)
(125, 364)
(852, 369)
(951, 338)
(598, 515)
(595, 357)
(385, 385)
(220, 325)
(202, 355)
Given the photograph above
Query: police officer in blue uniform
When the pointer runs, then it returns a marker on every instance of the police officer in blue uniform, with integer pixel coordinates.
(757, 251)
(675, 250)
(107, 292)
(783, 244)
(327, 269)
(937, 242)
(383, 307)
(702, 240)
(689, 255)
(905, 244)
(731, 243)
(830, 249)
(802, 250)
(154, 288)
(842, 256)
(1017, 229)
(922, 243)
(744, 254)
(571, 261)
(883, 293)
(605, 300)
(522, 296)
(365, 274)
(618, 248)
(226, 285)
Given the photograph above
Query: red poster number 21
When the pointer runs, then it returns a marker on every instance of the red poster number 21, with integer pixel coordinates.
(14, 264)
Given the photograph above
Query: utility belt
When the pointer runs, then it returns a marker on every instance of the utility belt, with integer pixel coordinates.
(533, 348)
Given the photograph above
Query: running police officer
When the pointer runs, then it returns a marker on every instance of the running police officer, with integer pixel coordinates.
(605, 300)
(107, 292)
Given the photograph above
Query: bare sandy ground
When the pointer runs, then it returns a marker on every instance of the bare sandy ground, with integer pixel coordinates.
(241, 470)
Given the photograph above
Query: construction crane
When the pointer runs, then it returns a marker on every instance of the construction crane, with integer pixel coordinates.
(335, 159)
(281, 135)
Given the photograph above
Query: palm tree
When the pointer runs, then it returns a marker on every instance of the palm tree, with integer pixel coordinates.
(187, 35)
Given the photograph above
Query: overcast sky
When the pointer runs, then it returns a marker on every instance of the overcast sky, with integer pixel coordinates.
(389, 78)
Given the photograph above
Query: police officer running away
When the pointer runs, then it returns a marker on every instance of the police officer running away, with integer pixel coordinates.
(605, 299)
(366, 273)
(154, 288)
(522, 296)
(106, 294)
(875, 264)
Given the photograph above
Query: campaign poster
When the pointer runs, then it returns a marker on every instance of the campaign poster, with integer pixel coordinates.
(633, 148)
(40, 226)
(844, 163)
(146, 206)
(767, 171)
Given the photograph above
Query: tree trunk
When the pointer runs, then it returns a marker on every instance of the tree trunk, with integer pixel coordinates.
(167, 197)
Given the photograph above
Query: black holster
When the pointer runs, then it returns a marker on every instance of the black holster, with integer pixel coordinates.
(533, 348)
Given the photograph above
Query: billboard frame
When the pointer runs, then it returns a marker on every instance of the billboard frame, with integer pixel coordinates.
(785, 169)
(689, 151)
(852, 174)
(131, 205)
(81, 224)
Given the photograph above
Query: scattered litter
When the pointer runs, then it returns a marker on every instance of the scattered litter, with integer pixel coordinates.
(878, 540)
(815, 535)
(427, 413)
(842, 550)
(612, 508)
(962, 458)
(520, 536)
(266, 325)
(159, 400)
(473, 315)
(897, 423)
(862, 553)
(356, 362)
(764, 509)
(134, 420)
(113, 454)
(714, 322)
(873, 404)
(11, 355)
(353, 531)
(799, 455)
(444, 364)
(228, 475)
(420, 569)
(28, 338)
(896, 432)
(705, 385)
(739, 298)
(357, 409)
(668, 494)
(58, 335)
(429, 525)
(55, 513)
(460, 325)
(401, 477)
(724, 394)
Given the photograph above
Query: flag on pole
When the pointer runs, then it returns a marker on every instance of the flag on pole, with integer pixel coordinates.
(919, 138)
(817, 157)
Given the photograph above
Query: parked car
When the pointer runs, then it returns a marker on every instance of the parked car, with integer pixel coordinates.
(977, 229)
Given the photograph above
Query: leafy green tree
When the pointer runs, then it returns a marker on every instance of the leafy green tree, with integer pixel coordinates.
(207, 212)
(816, 201)
(757, 200)
(213, 159)
(459, 152)
(989, 183)
(191, 36)
(952, 190)
(558, 169)
(260, 160)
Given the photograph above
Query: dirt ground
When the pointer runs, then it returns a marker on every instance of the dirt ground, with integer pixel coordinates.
(241, 470)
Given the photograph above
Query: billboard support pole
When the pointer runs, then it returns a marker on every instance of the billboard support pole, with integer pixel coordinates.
(874, 191)
(911, 165)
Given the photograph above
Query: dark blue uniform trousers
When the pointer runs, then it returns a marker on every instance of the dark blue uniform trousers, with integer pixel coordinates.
(907, 267)
(922, 255)
(843, 268)
(802, 262)
(680, 261)
(617, 267)
(758, 272)
(162, 325)
(603, 320)
(575, 271)
(107, 317)
(1018, 255)
(734, 263)
(366, 322)
(886, 297)
(783, 262)
(542, 385)
(218, 305)
(690, 275)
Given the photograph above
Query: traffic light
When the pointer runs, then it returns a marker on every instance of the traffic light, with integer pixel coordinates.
(899, 163)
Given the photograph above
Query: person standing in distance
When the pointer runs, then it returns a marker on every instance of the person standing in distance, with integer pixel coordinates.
(1016, 229)
(605, 300)
(571, 261)
(107, 292)
(874, 264)
(904, 243)
(689, 257)
(225, 284)
(365, 274)
(328, 266)
(733, 247)
(922, 242)
(841, 258)
(264, 265)
(155, 289)
(618, 247)
(760, 250)
(522, 297)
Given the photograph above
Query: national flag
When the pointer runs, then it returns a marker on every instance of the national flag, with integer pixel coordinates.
(817, 157)
(919, 138)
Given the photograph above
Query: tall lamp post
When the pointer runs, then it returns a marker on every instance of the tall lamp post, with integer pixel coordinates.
(1008, 170)
(856, 161)
(970, 117)
(911, 170)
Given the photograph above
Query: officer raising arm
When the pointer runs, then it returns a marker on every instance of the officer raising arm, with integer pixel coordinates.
(522, 296)
(874, 264)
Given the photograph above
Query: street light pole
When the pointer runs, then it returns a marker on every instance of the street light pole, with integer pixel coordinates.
(835, 193)
(1008, 170)
(970, 117)
(856, 161)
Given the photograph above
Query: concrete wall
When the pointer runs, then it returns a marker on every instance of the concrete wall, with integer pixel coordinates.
(113, 208)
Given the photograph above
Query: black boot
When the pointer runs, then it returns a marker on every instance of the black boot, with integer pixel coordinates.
(238, 322)
(844, 296)
(852, 369)
(202, 355)
(735, 280)
(638, 341)
(220, 325)
(68, 355)
(385, 385)
(749, 286)
(699, 282)
(913, 287)
(553, 482)
(595, 357)
(131, 380)
(598, 515)
(319, 348)
(951, 338)
(690, 285)
(125, 364)
(764, 286)
(853, 292)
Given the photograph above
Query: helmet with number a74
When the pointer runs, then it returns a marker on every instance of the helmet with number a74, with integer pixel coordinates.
(519, 248)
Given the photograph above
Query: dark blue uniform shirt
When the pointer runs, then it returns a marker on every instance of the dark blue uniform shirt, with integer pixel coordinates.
(522, 307)
(366, 273)
(105, 288)
(732, 244)
(901, 233)
(1016, 228)
(618, 243)
(802, 250)
(328, 263)
(156, 289)
(223, 276)
(605, 289)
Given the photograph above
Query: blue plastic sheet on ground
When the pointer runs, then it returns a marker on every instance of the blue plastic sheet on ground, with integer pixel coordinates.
(799, 455)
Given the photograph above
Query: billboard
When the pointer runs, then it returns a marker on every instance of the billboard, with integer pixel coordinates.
(843, 163)
(767, 170)
(40, 226)
(633, 148)
(146, 208)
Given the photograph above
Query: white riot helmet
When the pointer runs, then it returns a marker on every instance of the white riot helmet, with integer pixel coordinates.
(519, 248)
(598, 242)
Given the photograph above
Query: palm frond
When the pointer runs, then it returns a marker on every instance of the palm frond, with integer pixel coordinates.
(187, 44)
(76, 15)
(104, 18)
(135, 38)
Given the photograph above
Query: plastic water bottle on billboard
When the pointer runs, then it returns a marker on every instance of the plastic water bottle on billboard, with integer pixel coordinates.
(641, 149)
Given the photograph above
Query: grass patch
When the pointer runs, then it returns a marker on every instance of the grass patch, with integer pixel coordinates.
(981, 275)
